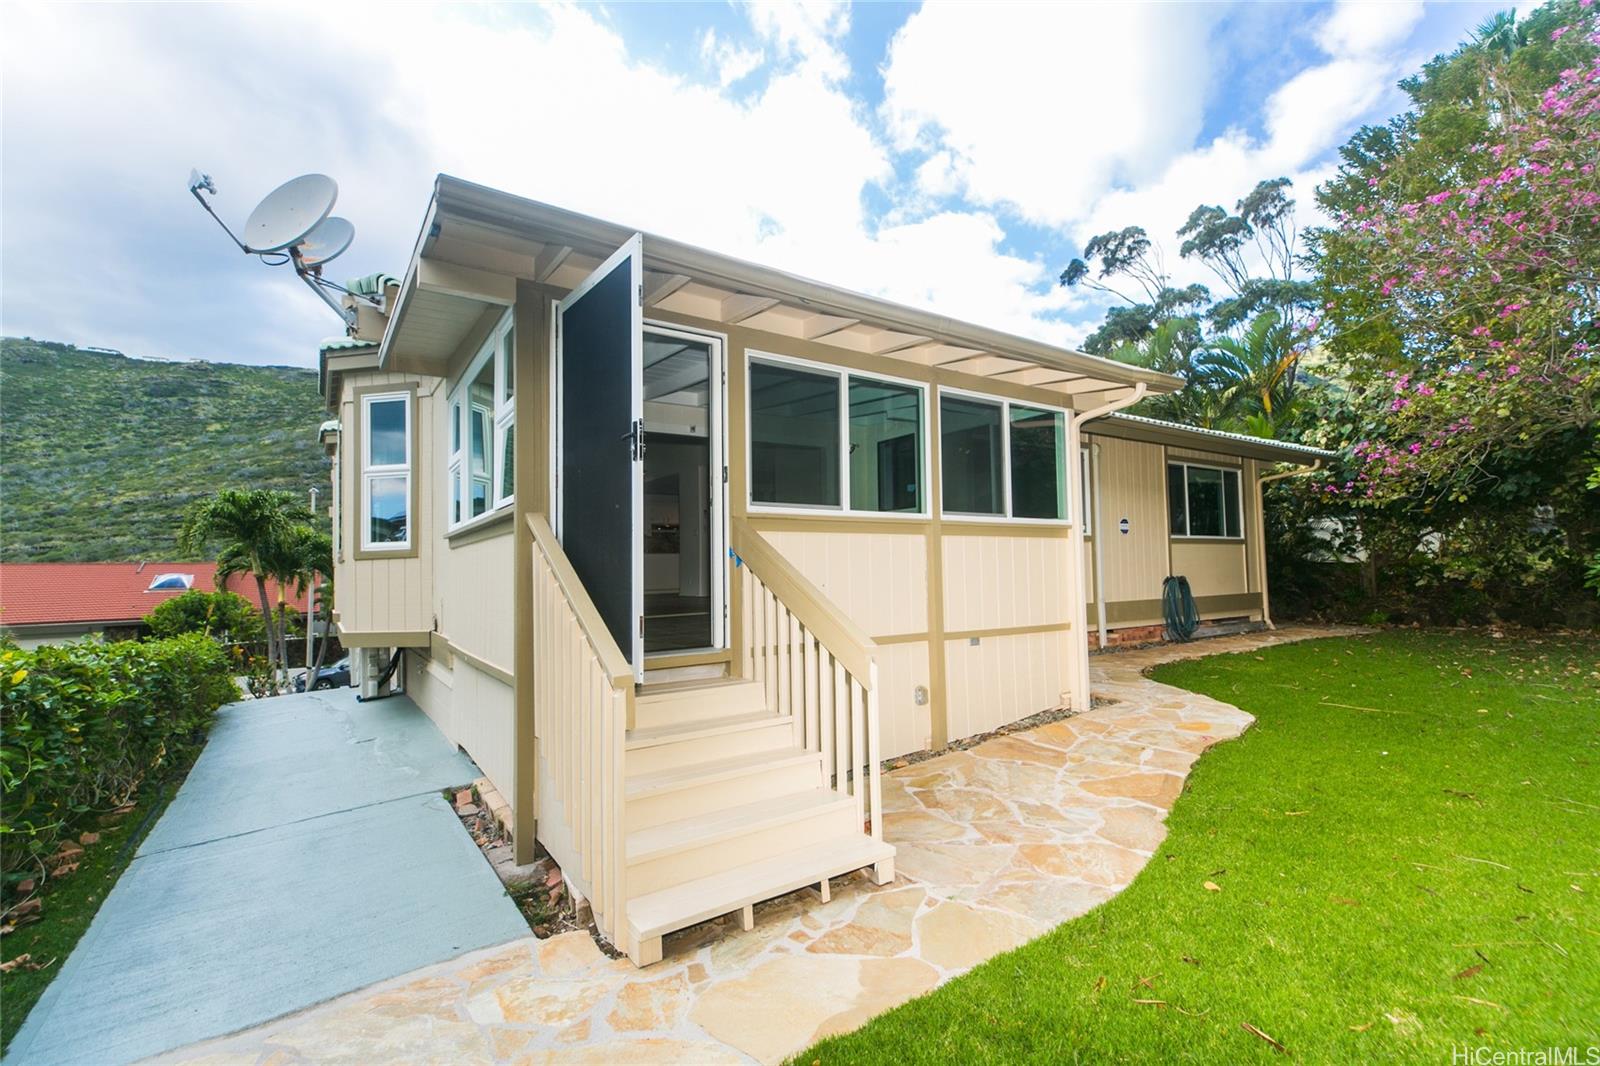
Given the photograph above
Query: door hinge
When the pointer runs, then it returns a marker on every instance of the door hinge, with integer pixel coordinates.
(724, 475)
(641, 625)
(641, 294)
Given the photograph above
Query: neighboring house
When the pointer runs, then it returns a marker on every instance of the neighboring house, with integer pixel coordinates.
(680, 548)
(48, 603)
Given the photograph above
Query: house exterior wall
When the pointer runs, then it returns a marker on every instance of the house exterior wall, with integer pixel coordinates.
(1225, 575)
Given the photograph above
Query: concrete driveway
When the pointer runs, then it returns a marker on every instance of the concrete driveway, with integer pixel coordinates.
(310, 853)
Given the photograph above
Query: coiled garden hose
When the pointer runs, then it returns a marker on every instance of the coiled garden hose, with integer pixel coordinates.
(1178, 609)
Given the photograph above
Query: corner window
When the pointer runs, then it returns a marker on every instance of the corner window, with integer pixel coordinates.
(386, 470)
(830, 439)
(1203, 501)
(482, 467)
(1002, 459)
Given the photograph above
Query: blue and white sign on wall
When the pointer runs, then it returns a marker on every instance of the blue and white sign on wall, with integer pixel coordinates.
(1123, 526)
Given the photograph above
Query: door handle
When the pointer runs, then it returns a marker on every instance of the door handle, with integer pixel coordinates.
(635, 439)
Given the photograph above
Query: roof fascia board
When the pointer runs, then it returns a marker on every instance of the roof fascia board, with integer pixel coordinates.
(456, 198)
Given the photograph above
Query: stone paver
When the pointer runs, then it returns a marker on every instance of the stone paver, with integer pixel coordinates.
(996, 845)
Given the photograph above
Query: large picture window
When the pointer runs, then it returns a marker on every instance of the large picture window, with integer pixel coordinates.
(482, 468)
(825, 438)
(385, 471)
(1203, 501)
(1002, 459)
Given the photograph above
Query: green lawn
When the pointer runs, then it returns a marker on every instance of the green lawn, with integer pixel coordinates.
(1407, 846)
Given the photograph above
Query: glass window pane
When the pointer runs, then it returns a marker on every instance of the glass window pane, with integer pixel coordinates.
(480, 440)
(969, 451)
(794, 436)
(885, 446)
(508, 468)
(1205, 502)
(386, 432)
(1038, 461)
(387, 505)
(455, 494)
(1083, 492)
(1230, 491)
(1179, 516)
(508, 355)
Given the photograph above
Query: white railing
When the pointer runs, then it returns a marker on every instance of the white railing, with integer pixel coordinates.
(583, 709)
(814, 664)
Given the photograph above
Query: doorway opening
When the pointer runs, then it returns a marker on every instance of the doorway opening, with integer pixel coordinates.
(682, 494)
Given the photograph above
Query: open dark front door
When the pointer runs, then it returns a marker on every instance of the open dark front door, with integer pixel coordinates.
(600, 436)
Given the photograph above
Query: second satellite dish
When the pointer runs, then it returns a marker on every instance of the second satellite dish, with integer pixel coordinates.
(290, 212)
(324, 243)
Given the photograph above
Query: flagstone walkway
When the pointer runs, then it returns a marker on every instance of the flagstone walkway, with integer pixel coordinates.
(996, 844)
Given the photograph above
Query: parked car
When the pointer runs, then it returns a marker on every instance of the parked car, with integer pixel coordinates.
(335, 676)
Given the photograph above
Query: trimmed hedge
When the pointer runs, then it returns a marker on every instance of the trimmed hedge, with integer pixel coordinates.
(85, 723)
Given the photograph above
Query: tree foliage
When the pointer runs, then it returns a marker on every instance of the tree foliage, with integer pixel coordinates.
(226, 616)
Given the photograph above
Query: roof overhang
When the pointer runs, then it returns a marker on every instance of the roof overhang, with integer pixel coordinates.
(341, 356)
(1155, 431)
(476, 243)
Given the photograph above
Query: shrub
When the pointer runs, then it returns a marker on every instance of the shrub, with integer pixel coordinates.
(85, 723)
(227, 616)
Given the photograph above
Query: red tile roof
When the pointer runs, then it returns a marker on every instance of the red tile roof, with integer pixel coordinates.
(59, 593)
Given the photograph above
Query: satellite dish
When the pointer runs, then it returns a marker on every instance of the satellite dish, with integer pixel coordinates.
(331, 237)
(289, 213)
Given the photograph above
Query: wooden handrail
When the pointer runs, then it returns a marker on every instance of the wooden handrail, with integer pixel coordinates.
(846, 640)
(612, 661)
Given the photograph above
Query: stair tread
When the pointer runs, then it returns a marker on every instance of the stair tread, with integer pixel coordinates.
(657, 690)
(666, 780)
(660, 734)
(717, 894)
(725, 822)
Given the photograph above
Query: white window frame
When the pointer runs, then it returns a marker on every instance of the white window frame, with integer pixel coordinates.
(501, 416)
(1225, 471)
(843, 375)
(371, 472)
(1005, 404)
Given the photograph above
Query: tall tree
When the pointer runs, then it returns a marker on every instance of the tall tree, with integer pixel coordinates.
(1126, 264)
(247, 529)
(1254, 252)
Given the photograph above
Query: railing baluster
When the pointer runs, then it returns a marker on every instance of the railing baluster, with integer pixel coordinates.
(874, 760)
(825, 712)
(841, 726)
(857, 748)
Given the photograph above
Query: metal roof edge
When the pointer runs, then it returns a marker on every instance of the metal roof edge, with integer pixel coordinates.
(1155, 430)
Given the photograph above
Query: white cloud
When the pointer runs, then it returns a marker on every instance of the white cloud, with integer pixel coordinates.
(1361, 27)
(1045, 107)
(732, 62)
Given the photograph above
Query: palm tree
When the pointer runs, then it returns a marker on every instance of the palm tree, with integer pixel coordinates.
(249, 528)
(303, 553)
(1253, 373)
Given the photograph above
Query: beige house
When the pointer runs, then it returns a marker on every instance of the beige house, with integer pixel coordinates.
(680, 549)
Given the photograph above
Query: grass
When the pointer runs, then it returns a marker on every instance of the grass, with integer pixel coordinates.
(71, 904)
(1407, 847)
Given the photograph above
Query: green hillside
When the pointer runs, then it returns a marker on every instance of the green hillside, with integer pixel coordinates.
(100, 453)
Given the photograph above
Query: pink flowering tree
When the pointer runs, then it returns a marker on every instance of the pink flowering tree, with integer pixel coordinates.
(1461, 281)
(1491, 285)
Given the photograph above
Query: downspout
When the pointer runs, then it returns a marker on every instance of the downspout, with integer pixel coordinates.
(1261, 512)
(1099, 543)
(1081, 695)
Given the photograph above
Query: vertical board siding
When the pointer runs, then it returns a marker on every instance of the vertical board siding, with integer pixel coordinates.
(1214, 568)
(1001, 679)
(879, 580)
(903, 726)
(1133, 486)
(477, 598)
(1001, 582)
(387, 595)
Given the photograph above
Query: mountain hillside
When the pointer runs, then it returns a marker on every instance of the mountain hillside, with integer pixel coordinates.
(100, 453)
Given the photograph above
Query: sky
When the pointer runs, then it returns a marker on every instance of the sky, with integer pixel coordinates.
(950, 156)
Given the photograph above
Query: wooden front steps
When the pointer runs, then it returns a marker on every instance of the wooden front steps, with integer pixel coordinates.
(725, 809)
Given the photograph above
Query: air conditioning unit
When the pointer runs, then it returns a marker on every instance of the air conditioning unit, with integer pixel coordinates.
(370, 665)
